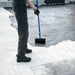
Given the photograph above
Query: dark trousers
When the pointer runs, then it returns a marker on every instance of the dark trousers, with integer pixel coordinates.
(20, 11)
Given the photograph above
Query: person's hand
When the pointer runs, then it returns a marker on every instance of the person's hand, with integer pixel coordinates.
(36, 12)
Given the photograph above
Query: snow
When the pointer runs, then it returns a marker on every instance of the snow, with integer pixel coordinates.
(62, 51)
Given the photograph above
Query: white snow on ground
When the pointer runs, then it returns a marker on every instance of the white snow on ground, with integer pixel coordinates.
(41, 55)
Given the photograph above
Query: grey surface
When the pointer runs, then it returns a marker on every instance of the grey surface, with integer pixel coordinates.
(57, 24)
(5, 3)
(9, 3)
(41, 2)
(60, 68)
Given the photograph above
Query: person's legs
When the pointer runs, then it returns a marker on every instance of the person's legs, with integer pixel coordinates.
(23, 36)
(21, 16)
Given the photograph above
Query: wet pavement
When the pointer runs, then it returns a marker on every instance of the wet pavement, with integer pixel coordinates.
(57, 24)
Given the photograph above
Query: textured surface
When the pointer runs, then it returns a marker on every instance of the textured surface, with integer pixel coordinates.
(55, 59)
(57, 24)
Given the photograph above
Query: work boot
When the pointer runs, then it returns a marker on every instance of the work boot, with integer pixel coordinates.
(28, 51)
(23, 59)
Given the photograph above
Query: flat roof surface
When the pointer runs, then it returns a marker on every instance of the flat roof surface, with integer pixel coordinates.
(56, 58)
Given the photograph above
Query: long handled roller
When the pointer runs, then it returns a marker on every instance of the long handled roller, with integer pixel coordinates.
(39, 40)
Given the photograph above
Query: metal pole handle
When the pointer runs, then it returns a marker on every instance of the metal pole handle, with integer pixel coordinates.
(38, 20)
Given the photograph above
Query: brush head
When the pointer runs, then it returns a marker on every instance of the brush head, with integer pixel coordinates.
(40, 41)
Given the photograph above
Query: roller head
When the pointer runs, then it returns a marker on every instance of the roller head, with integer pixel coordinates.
(40, 41)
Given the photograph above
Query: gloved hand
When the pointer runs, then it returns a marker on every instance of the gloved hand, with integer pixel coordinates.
(36, 11)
